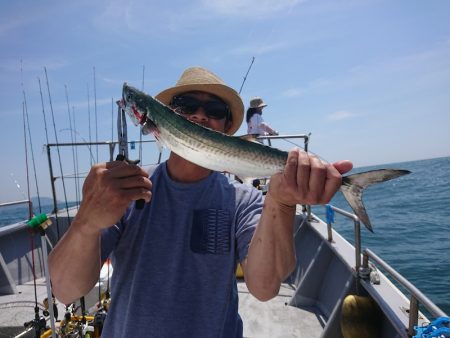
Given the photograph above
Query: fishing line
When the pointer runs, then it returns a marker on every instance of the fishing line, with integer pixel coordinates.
(43, 110)
(32, 156)
(77, 179)
(305, 144)
(18, 186)
(30, 208)
(89, 123)
(295, 144)
(27, 123)
(73, 141)
(57, 149)
(84, 140)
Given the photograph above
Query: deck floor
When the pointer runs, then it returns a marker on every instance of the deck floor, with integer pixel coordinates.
(18, 308)
(261, 319)
(275, 318)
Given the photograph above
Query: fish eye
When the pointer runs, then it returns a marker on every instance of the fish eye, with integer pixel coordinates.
(129, 97)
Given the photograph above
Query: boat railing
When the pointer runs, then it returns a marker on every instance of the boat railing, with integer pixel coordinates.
(269, 138)
(362, 269)
(417, 297)
(7, 204)
(27, 201)
(111, 148)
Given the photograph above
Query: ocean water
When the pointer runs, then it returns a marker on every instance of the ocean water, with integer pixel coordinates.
(411, 220)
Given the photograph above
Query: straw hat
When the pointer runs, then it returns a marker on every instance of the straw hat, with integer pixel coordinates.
(201, 79)
(257, 102)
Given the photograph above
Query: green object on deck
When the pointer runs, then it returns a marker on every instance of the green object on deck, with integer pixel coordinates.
(36, 221)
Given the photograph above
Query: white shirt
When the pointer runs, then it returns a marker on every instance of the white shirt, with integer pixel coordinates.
(257, 126)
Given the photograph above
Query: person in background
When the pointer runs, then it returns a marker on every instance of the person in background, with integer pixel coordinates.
(255, 122)
(175, 260)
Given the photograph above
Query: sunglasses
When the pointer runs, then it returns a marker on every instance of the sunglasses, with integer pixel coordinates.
(188, 105)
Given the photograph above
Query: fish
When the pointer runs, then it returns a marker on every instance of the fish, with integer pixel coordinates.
(217, 151)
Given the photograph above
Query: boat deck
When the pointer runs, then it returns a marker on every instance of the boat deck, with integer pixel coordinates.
(17, 309)
(276, 318)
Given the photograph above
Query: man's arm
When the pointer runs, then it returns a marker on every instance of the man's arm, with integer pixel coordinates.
(271, 256)
(264, 126)
(75, 262)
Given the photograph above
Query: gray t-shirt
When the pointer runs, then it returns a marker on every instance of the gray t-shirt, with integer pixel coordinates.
(174, 260)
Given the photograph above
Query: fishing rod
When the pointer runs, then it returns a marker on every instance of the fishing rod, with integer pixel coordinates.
(245, 77)
(59, 153)
(95, 110)
(112, 119)
(47, 139)
(36, 323)
(77, 173)
(72, 139)
(89, 123)
(32, 156)
(27, 123)
(140, 134)
(38, 224)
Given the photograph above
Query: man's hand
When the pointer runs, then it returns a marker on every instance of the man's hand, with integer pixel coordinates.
(306, 179)
(108, 190)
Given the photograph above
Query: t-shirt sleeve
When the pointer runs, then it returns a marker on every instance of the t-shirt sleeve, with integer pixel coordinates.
(248, 212)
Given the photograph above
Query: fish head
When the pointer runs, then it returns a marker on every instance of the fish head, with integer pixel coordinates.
(132, 103)
(138, 105)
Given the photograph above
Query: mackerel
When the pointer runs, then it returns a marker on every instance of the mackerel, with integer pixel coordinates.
(224, 153)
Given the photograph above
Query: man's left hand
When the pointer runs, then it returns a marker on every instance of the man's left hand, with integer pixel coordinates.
(306, 179)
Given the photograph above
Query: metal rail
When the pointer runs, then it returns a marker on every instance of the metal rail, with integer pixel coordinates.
(305, 137)
(357, 231)
(417, 297)
(5, 204)
(110, 144)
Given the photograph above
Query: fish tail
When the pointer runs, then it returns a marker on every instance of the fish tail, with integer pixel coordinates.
(353, 186)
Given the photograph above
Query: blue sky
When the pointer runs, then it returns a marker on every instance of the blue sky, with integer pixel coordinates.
(369, 79)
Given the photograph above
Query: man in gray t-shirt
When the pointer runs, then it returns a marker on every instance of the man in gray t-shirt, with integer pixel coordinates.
(174, 260)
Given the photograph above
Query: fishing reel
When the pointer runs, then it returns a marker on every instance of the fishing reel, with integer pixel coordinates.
(39, 324)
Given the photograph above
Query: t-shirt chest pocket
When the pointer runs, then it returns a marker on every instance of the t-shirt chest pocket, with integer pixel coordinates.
(211, 232)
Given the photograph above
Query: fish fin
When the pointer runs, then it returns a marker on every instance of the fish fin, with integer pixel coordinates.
(353, 186)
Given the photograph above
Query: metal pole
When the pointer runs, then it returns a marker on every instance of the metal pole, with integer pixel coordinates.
(413, 315)
(357, 245)
(330, 233)
(52, 180)
(47, 282)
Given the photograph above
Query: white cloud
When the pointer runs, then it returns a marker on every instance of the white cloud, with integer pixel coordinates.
(293, 92)
(341, 115)
(259, 48)
(250, 8)
(313, 85)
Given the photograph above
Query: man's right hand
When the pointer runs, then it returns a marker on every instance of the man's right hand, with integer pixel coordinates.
(108, 190)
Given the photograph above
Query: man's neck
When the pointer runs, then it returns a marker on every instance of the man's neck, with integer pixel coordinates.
(181, 170)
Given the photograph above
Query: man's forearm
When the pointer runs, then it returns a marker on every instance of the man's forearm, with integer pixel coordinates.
(75, 263)
(271, 255)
